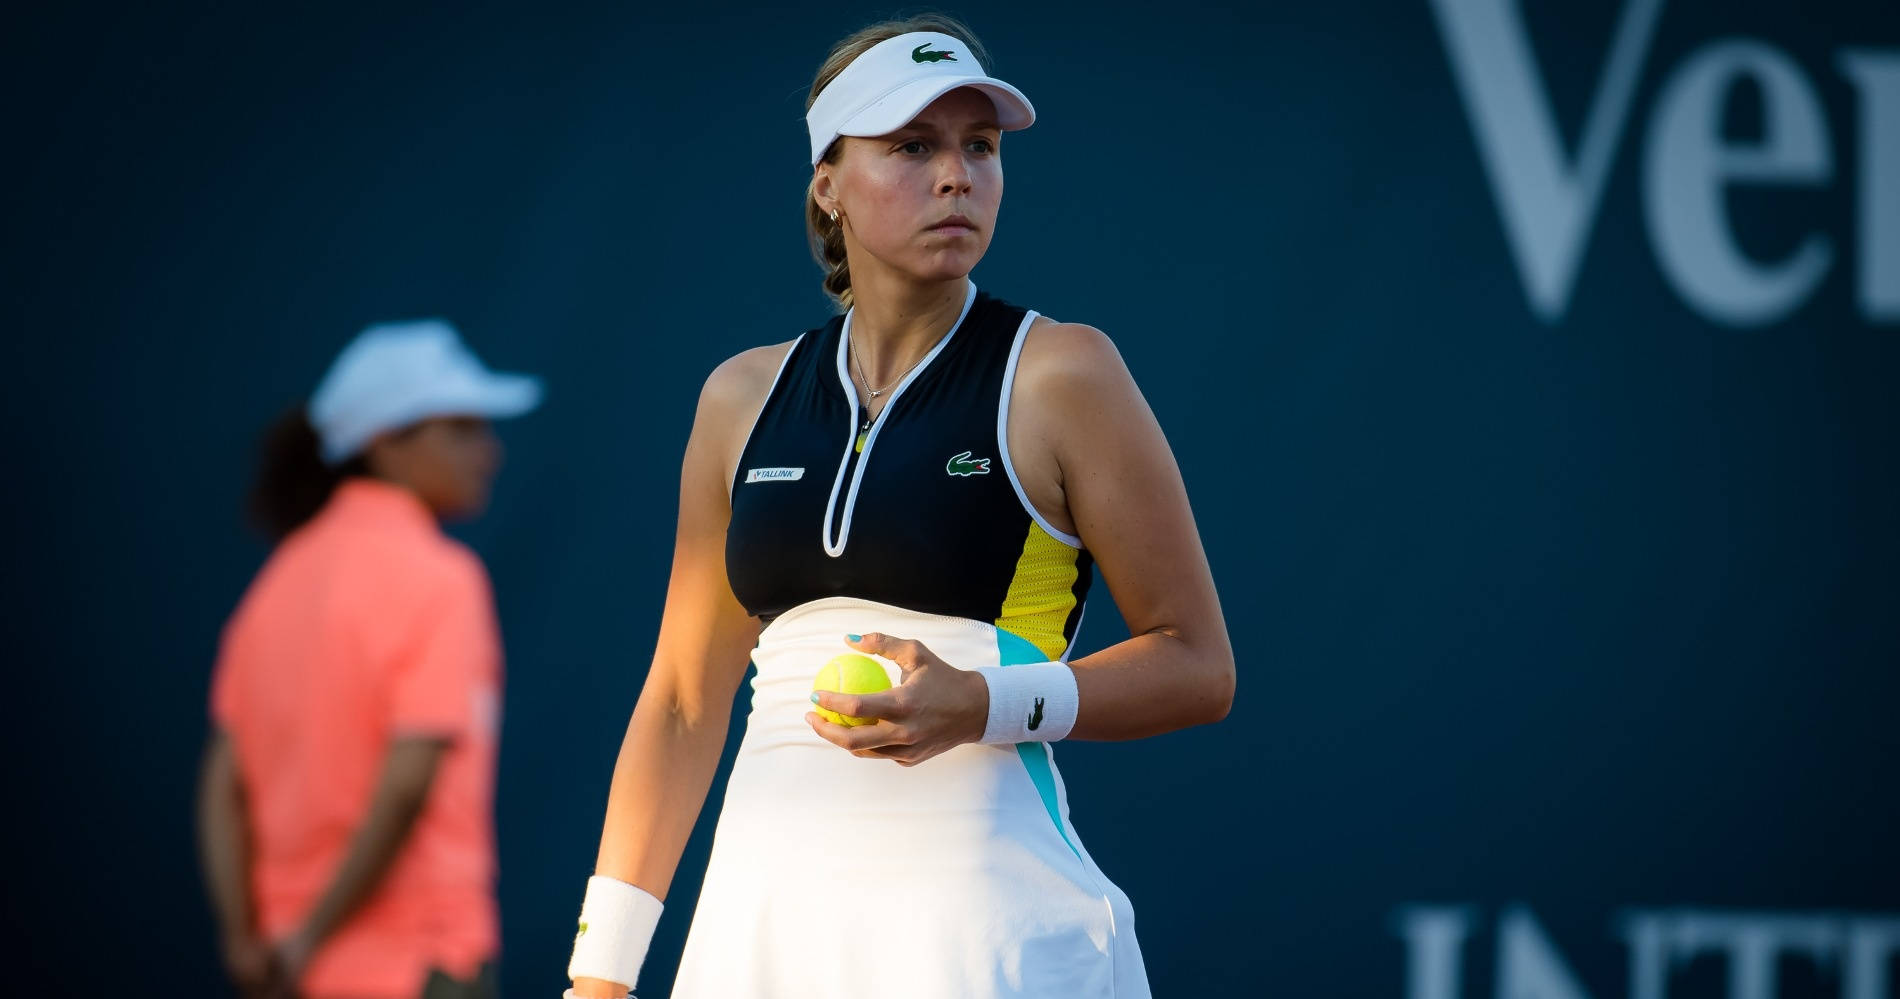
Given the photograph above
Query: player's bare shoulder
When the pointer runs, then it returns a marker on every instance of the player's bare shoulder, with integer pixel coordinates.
(1059, 387)
(1059, 355)
(1066, 374)
(739, 384)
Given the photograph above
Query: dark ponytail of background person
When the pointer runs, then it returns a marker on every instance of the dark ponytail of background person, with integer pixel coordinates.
(293, 481)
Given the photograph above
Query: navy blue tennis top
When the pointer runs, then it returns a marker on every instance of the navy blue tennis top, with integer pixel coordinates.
(920, 508)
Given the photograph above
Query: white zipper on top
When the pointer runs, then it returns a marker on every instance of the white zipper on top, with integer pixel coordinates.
(851, 436)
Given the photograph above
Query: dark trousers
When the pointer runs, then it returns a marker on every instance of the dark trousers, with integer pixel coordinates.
(482, 986)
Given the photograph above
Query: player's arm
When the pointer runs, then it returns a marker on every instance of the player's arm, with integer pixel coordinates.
(678, 728)
(224, 850)
(1091, 458)
(1123, 495)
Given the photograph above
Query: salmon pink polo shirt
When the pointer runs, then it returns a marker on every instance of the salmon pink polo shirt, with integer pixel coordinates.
(366, 625)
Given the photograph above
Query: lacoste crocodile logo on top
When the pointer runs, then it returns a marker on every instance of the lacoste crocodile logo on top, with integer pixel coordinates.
(919, 55)
(1035, 717)
(965, 465)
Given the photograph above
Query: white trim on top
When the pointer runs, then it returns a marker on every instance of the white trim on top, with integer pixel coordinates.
(1070, 651)
(1002, 437)
(754, 428)
(851, 439)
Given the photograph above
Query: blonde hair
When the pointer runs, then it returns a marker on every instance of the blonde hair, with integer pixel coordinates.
(827, 237)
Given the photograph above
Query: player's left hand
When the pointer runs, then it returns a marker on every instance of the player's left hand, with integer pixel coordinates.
(934, 707)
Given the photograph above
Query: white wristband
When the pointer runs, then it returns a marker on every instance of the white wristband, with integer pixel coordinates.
(617, 921)
(1036, 702)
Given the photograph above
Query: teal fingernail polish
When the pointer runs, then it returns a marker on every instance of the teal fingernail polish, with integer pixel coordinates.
(814, 698)
(855, 638)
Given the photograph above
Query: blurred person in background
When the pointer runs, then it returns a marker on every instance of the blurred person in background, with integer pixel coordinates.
(346, 798)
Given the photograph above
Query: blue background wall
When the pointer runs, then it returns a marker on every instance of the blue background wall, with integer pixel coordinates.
(1583, 614)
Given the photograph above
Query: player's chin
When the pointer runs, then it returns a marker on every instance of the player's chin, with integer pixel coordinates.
(952, 261)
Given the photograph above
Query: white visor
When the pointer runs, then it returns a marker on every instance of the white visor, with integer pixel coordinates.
(894, 80)
(396, 374)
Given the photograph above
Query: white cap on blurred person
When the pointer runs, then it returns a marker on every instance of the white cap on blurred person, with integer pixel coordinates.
(896, 79)
(396, 374)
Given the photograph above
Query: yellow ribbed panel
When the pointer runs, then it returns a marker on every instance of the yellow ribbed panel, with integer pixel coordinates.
(1042, 593)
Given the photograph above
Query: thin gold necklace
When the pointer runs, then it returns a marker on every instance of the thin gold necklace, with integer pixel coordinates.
(864, 425)
(853, 345)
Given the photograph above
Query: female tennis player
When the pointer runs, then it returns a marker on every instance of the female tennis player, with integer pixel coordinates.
(928, 479)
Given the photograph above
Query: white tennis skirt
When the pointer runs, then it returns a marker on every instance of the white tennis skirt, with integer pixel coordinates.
(958, 878)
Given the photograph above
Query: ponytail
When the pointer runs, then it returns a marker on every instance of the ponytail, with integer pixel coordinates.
(293, 481)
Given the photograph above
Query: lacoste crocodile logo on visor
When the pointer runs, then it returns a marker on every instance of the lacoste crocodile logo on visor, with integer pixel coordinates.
(919, 55)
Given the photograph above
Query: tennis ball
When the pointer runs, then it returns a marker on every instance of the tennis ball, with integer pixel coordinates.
(850, 673)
